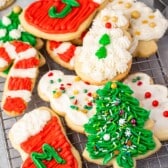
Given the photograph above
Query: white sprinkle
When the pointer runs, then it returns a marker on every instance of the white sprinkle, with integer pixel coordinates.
(106, 137)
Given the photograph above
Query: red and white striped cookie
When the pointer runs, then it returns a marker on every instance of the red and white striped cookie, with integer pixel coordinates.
(63, 53)
(22, 76)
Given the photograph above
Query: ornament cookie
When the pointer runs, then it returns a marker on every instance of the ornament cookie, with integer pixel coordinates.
(104, 55)
(146, 26)
(22, 76)
(69, 96)
(5, 3)
(61, 20)
(11, 29)
(41, 141)
(117, 134)
(153, 97)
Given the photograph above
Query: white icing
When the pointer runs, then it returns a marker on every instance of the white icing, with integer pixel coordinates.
(46, 89)
(117, 54)
(23, 73)
(98, 1)
(62, 48)
(15, 34)
(6, 21)
(10, 49)
(24, 94)
(2, 33)
(29, 125)
(3, 63)
(31, 52)
(159, 93)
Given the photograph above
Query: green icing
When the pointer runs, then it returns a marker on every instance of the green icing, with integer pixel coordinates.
(66, 10)
(117, 128)
(49, 154)
(14, 25)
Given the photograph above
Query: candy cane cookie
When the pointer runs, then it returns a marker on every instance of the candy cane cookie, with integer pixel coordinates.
(21, 78)
(153, 97)
(40, 139)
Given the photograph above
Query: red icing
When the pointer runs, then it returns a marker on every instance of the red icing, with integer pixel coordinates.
(52, 135)
(108, 25)
(15, 104)
(41, 20)
(165, 114)
(16, 83)
(27, 63)
(148, 95)
(4, 55)
(155, 103)
(54, 44)
(20, 46)
(67, 55)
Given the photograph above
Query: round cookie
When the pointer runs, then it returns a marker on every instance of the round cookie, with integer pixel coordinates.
(146, 26)
(41, 140)
(5, 3)
(60, 20)
(104, 55)
(153, 97)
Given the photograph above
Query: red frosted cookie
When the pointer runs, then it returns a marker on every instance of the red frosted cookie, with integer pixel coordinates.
(60, 20)
(41, 141)
(22, 76)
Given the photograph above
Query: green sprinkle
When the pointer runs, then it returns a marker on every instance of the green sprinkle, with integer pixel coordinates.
(72, 97)
(74, 107)
(85, 90)
(51, 81)
(63, 91)
(54, 91)
(59, 80)
(87, 107)
(138, 77)
(134, 80)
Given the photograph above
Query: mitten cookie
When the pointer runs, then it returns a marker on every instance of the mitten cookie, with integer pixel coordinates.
(104, 55)
(5, 3)
(146, 26)
(117, 134)
(22, 76)
(11, 29)
(154, 98)
(61, 20)
(41, 141)
(69, 97)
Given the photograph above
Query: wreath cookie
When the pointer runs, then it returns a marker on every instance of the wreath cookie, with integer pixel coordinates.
(61, 20)
(41, 141)
(153, 97)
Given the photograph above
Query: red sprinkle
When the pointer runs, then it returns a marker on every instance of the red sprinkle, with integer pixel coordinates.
(50, 74)
(87, 83)
(139, 83)
(108, 25)
(62, 88)
(62, 84)
(69, 84)
(165, 114)
(155, 103)
(148, 95)
(89, 94)
(76, 102)
(90, 104)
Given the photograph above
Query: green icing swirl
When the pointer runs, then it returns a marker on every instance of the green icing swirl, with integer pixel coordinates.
(15, 23)
(49, 154)
(116, 130)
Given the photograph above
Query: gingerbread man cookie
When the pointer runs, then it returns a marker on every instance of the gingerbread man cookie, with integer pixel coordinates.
(153, 97)
(146, 26)
(41, 141)
(104, 55)
(69, 96)
(61, 20)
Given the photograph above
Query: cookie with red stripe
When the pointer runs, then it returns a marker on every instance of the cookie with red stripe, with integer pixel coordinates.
(41, 141)
(21, 78)
(61, 20)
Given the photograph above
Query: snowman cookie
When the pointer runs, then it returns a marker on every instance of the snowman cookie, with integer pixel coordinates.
(104, 55)
(69, 96)
(40, 139)
(146, 26)
(153, 97)
(61, 20)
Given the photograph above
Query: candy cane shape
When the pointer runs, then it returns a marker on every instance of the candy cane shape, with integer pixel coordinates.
(22, 76)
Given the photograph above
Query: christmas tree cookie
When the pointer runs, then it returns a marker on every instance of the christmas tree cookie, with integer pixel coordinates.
(154, 98)
(118, 133)
(69, 96)
(61, 20)
(104, 55)
(41, 141)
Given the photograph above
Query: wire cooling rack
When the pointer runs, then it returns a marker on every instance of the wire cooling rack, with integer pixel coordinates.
(156, 66)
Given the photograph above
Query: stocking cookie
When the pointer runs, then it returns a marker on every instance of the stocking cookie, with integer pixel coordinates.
(154, 98)
(146, 26)
(69, 97)
(5, 3)
(104, 55)
(116, 133)
(22, 76)
(61, 20)
(41, 141)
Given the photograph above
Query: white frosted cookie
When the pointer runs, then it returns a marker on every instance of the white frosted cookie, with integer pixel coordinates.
(146, 26)
(69, 96)
(153, 97)
(41, 141)
(104, 55)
